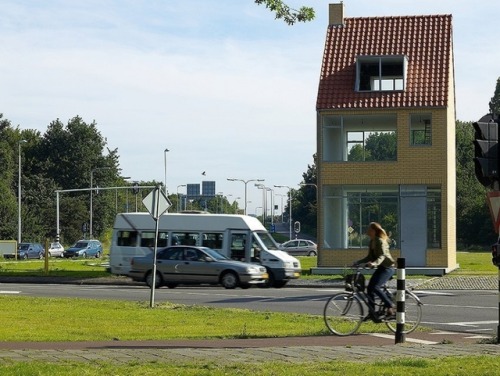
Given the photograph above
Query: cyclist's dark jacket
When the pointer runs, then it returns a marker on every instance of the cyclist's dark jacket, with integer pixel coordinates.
(378, 254)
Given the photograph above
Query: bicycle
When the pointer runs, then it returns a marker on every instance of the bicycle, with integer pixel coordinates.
(344, 312)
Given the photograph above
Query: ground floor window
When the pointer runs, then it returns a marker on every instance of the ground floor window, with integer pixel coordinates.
(350, 209)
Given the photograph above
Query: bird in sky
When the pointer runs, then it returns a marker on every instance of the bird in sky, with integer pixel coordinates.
(204, 173)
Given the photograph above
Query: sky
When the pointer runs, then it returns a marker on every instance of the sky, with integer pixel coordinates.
(221, 84)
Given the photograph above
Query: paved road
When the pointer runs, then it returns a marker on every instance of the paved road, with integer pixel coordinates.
(464, 311)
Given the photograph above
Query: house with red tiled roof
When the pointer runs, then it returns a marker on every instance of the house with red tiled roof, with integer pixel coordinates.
(386, 140)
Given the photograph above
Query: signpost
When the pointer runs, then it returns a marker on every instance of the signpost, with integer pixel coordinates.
(157, 203)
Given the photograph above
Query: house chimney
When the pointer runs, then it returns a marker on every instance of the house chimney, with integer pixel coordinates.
(336, 14)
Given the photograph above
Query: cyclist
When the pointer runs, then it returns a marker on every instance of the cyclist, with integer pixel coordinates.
(379, 257)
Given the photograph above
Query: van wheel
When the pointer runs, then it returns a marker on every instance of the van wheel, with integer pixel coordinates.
(279, 284)
(229, 280)
(158, 281)
(269, 282)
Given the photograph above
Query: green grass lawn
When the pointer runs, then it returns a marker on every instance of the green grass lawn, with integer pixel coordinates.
(456, 366)
(475, 263)
(78, 268)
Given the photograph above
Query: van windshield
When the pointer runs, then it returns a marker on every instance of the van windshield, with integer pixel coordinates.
(267, 240)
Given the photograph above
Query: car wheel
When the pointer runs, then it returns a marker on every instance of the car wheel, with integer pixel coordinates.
(40, 256)
(25, 257)
(171, 285)
(311, 253)
(84, 254)
(98, 254)
(229, 280)
(158, 281)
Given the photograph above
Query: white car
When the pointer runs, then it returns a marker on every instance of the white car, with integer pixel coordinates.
(56, 250)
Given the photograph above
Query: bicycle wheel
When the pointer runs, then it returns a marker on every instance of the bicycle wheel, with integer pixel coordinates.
(413, 314)
(343, 314)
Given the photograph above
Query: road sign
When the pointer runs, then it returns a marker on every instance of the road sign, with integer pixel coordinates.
(494, 204)
(156, 203)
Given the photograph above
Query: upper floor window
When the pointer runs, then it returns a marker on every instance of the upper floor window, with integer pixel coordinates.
(420, 129)
(380, 73)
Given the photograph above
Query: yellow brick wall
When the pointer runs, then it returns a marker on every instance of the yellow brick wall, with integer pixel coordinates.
(428, 165)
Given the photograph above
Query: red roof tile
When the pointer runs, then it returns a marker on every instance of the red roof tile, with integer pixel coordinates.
(426, 41)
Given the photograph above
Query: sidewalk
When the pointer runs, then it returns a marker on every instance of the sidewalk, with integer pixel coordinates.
(363, 348)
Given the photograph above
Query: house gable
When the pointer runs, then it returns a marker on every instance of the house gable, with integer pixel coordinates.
(424, 41)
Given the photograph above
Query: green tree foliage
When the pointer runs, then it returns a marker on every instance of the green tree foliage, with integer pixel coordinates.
(474, 224)
(495, 100)
(381, 146)
(287, 14)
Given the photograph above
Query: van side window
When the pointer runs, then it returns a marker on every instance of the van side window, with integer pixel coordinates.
(127, 238)
(238, 244)
(148, 239)
(185, 238)
(212, 240)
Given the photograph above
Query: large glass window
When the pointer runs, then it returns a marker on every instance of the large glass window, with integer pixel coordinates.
(380, 73)
(348, 210)
(359, 138)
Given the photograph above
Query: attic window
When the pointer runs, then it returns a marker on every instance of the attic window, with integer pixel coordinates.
(380, 73)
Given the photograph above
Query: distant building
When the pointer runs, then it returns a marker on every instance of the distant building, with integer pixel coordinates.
(386, 139)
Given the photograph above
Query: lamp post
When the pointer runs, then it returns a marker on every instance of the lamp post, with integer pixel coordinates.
(245, 182)
(91, 196)
(179, 202)
(289, 205)
(19, 193)
(272, 203)
(165, 165)
(279, 194)
(264, 201)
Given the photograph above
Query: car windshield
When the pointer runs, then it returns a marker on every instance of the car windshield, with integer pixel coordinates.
(267, 240)
(23, 247)
(80, 245)
(214, 254)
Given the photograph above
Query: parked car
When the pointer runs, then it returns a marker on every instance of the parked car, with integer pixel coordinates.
(196, 265)
(84, 248)
(56, 250)
(300, 247)
(27, 250)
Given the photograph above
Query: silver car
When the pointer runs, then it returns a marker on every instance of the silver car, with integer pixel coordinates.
(196, 265)
(56, 250)
(300, 247)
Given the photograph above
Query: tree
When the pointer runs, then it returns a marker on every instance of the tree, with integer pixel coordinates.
(289, 15)
(495, 100)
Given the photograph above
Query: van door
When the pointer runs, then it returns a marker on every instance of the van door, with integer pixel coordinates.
(238, 245)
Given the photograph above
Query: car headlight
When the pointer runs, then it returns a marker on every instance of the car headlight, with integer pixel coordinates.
(252, 270)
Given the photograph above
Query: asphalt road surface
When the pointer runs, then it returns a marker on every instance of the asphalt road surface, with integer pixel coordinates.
(466, 311)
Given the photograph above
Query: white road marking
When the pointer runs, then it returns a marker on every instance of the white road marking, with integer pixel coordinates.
(464, 324)
(428, 292)
(413, 340)
(10, 292)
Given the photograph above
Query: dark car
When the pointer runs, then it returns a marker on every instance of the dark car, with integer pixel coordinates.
(84, 249)
(196, 265)
(300, 247)
(27, 250)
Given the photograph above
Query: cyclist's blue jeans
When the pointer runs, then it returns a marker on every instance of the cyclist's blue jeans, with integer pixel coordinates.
(378, 279)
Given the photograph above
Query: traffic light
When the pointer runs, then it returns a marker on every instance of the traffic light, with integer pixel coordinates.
(495, 255)
(486, 150)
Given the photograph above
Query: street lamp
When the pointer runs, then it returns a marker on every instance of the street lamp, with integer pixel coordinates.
(19, 194)
(92, 194)
(179, 203)
(165, 164)
(264, 201)
(245, 182)
(279, 194)
(289, 204)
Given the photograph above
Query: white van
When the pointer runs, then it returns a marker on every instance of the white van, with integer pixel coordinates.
(237, 237)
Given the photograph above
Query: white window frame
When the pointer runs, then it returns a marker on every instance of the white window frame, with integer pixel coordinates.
(378, 84)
